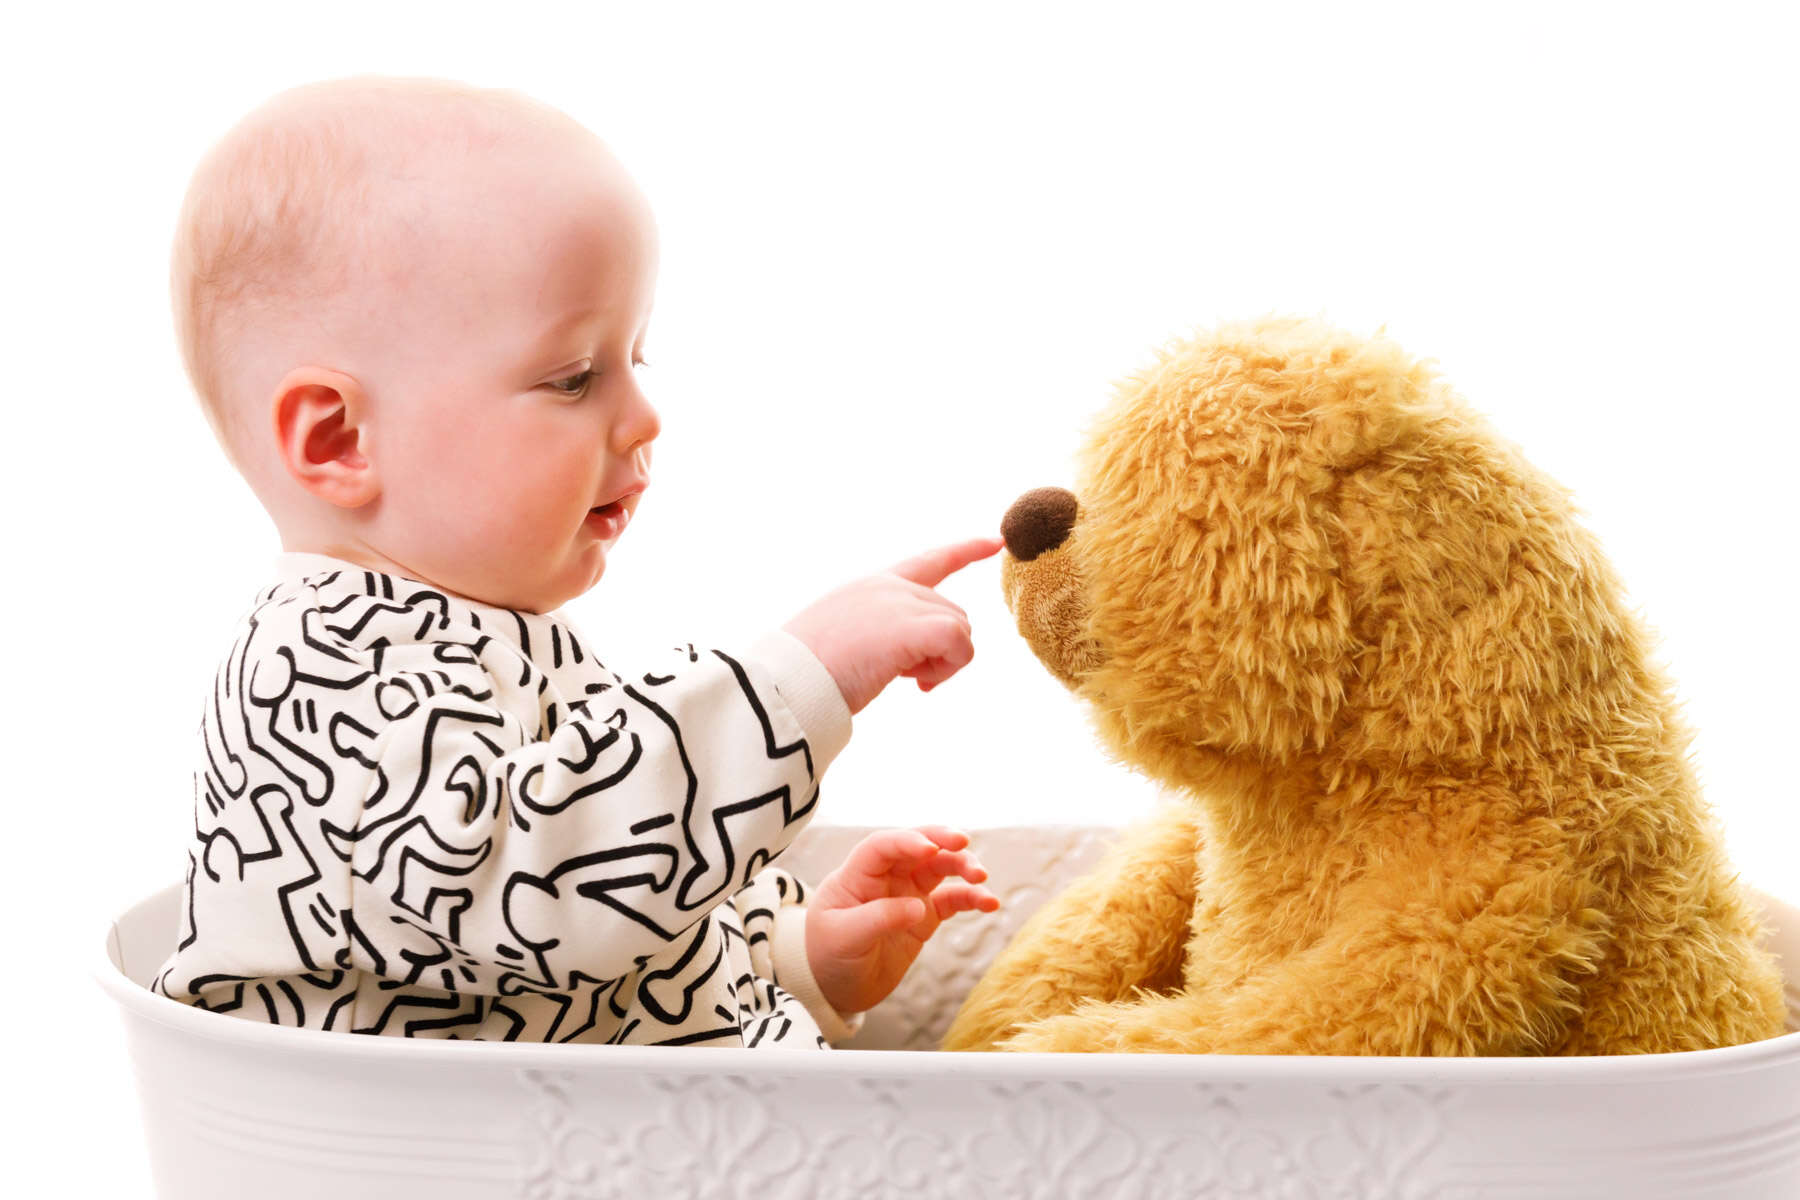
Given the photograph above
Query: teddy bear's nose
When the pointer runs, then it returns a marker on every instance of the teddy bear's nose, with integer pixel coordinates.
(1038, 521)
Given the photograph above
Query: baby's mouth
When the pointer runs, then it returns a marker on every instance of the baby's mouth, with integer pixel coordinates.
(607, 521)
(618, 502)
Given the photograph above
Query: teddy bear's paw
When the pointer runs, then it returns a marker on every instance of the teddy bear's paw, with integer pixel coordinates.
(1026, 1042)
(1061, 1034)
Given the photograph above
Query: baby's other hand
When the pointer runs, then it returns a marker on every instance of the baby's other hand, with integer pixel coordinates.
(868, 919)
(871, 630)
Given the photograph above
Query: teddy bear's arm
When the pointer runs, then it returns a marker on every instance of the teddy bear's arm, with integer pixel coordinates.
(1455, 972)
(1121, 927)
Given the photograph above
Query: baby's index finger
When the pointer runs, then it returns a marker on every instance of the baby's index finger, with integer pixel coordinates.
(934, 566)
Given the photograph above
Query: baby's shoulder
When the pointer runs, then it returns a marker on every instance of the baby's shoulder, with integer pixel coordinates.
(348, 624)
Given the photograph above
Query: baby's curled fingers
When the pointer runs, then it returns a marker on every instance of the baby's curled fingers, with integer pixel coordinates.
(943, 835)
(929, 674)
(881, 853)
(948, 628)
(934, 601)
(950, 649)
(946, 863)
(953, 898)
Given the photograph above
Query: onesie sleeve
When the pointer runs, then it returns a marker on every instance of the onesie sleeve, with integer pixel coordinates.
(493, 855)
(773, 909)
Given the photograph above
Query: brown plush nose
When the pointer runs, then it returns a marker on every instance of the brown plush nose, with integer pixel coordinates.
(1038, 522)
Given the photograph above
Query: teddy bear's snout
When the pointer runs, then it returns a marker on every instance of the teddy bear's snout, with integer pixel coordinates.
(1038, 522)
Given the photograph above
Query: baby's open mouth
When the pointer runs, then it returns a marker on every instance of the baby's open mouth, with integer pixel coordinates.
(608, 520)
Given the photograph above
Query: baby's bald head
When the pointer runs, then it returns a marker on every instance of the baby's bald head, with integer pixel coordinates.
(308, 230)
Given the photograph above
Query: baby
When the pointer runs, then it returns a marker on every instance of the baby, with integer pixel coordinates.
(413, 311)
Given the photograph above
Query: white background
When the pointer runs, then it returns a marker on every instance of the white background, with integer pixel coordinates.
(906, 250)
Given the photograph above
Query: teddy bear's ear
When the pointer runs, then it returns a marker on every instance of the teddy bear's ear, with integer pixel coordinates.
(1364, 397)
(1489, 620)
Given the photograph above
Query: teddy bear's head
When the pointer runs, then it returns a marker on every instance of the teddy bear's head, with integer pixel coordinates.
(1288, 543)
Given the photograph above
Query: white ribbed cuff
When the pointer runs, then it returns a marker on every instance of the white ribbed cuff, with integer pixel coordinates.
(794, 972)
(809, 691)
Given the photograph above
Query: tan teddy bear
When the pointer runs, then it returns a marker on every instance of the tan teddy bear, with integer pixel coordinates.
(1436, 798)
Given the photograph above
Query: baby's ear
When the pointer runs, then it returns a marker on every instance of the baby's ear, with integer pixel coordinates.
(318, 415)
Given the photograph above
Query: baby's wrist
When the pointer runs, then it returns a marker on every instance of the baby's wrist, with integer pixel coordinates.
(809, 691)
(791, 952)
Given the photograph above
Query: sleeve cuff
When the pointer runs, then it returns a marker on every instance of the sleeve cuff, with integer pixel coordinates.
(794, 973)
(809, 691)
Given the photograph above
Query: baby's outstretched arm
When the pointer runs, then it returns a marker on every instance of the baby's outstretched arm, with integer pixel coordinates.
(393, 787)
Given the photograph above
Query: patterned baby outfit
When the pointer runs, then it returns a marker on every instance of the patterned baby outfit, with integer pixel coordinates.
(420, 815)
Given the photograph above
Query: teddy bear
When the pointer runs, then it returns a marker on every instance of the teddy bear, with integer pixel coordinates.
(1429, 794)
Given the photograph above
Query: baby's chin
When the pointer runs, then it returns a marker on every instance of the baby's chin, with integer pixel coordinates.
(588, 575)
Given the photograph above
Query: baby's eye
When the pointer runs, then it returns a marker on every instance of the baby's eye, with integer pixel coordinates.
(580, 381)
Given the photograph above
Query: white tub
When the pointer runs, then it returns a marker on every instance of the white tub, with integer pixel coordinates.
(234, 1109)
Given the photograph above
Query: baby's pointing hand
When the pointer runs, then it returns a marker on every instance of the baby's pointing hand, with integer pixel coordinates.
(894, 623)
(868, 919)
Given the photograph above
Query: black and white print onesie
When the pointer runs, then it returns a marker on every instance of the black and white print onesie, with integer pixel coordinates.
(419, 815)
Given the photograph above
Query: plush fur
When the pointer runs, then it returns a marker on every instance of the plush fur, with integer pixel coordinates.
(1436, 797)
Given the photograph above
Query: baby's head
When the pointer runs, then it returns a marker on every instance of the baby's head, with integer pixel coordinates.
(413, 311)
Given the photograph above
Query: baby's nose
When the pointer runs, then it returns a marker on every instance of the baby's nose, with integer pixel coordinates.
(1038, 521)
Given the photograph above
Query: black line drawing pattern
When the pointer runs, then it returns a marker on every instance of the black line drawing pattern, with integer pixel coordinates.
(419, 816)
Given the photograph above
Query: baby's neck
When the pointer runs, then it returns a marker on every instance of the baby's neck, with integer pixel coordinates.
(351, 551)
